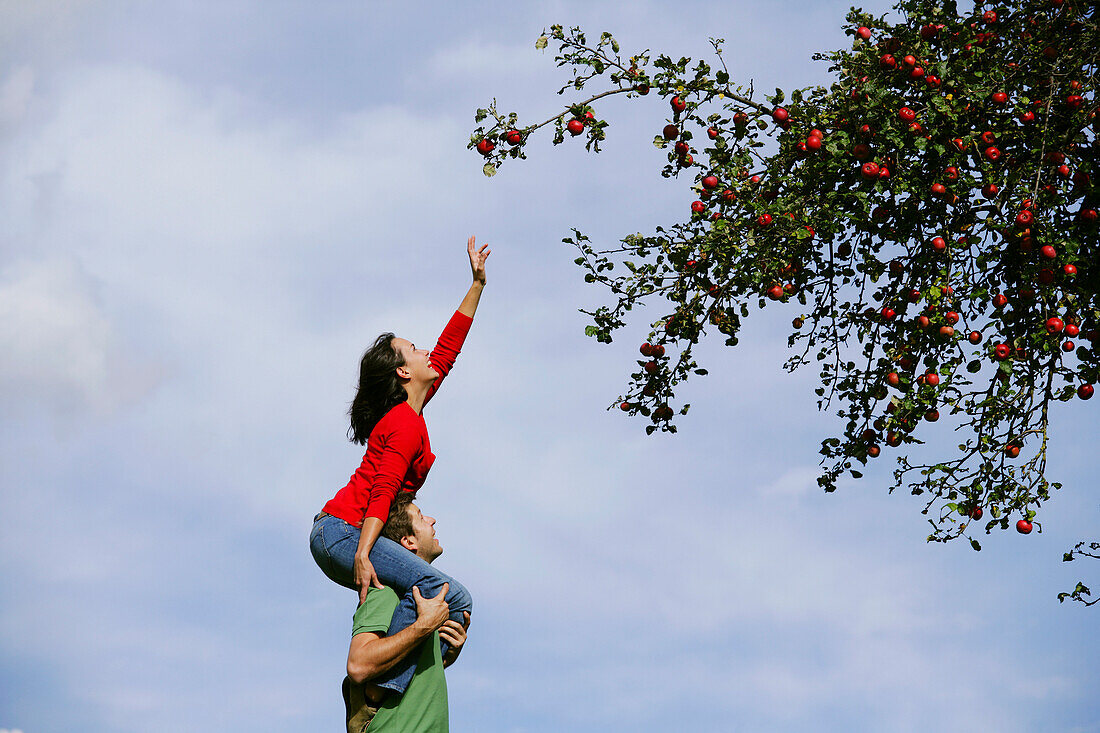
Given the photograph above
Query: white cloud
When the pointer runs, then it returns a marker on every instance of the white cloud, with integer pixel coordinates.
(475, 60)
(15, 94)
(60, 348)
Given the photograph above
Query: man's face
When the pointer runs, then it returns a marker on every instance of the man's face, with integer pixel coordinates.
(423, 541)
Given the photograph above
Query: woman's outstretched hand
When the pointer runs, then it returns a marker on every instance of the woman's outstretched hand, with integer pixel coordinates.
(477, 259)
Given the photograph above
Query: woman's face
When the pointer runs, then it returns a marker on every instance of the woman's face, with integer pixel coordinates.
(418, 363)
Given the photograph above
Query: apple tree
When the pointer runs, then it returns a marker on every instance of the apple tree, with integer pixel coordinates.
(930, 216)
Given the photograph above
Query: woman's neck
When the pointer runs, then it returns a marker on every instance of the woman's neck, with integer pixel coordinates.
(416, 394)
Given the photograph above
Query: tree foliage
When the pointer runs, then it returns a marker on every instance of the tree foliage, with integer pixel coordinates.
(933, 213)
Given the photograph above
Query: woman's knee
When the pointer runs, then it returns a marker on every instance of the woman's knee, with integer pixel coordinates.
(458, 598)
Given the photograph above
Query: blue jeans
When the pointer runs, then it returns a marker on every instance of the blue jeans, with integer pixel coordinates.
(333, 543)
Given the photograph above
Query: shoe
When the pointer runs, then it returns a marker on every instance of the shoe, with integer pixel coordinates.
(359, 711)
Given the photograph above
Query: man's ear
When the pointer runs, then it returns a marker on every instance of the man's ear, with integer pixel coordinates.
(409, 542)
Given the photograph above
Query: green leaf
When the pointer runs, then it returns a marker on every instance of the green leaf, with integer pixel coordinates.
(975, 545)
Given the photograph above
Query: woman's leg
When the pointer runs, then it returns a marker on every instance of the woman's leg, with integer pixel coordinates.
(333, 543)
(400, 569)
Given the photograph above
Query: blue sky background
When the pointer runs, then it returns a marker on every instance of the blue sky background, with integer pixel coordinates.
(208, 210)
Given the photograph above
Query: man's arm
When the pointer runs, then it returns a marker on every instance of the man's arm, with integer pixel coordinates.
(372, 654)
(454, 633)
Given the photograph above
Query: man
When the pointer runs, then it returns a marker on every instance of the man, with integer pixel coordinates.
(423, 707)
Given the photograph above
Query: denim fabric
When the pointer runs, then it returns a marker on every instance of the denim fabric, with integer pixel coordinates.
(333, 543)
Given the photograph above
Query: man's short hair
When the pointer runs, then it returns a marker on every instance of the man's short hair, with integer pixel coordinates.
(399, 523)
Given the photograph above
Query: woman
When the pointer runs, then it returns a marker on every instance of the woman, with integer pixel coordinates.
(396, 380)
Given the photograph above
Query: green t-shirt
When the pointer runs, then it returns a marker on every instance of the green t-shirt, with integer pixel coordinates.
(423, 707)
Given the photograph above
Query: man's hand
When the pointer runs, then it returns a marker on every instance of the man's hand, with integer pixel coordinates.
(454, 633)
(431, 613)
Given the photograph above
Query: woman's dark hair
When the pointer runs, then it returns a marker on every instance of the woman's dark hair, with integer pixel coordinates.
(379, 388)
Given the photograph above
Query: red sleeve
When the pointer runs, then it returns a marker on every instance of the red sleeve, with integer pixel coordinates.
(397, 447)
(447, 348)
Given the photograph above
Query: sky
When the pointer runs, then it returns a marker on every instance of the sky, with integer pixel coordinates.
(208, 210)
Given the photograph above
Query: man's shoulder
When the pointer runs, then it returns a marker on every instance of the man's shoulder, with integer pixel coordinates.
(374, 614)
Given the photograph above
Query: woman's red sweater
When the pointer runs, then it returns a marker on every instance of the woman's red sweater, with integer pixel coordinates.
(398, 455)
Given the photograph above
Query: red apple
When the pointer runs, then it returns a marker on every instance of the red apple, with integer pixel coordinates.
(1085, 391)
(575, 127)
(671, 132)
(485, 147)
(514, 137)
(1023, 526)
